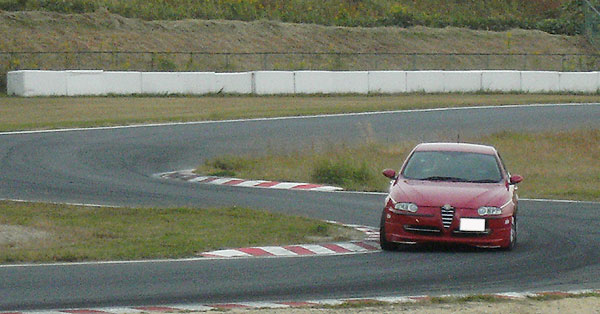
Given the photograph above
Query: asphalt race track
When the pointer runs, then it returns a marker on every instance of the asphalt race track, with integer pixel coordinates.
(558, 241)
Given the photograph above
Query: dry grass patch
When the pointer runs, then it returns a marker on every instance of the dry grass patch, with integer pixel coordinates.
(561, 165)
(38, 232)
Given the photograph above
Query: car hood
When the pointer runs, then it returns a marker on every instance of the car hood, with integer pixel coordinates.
(456, 194)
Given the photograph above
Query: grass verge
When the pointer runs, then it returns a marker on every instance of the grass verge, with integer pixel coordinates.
(561, 165)
(66, 112)
(38, 232)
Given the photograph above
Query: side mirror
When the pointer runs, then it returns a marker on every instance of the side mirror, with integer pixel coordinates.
(390, 173)
(515, 179)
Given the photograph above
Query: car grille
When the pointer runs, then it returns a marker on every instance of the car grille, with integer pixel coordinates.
(447, 216)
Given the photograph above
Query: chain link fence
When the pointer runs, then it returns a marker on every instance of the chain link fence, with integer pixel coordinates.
(235, 62)
(592, 22)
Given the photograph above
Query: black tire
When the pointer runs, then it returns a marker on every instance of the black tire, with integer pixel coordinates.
(383, 242)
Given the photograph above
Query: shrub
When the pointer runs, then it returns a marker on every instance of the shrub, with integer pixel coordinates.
(341, 173)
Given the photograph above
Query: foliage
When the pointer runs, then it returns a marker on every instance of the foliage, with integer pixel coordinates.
(554, 16)
(341, 172)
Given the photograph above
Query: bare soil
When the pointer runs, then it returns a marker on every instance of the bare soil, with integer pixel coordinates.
(17, 236)
(46, 31)
(588, 305)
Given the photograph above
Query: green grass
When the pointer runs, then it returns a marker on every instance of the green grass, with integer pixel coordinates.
(65, 112)
(63, 233)
(562, 165)
(554, 16)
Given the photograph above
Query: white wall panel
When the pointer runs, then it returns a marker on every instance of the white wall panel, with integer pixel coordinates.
(462, 81)
(85, 82)
(40, 83)
(234, 83)
(501, 81)
(273, 82)
(331, 82)
(585, 82)
(122, 83)
(539, 81)
(425, 81)
(387, 82)
(15, 83)
(196, 83)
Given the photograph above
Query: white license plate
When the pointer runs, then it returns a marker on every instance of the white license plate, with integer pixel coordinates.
(472, 224)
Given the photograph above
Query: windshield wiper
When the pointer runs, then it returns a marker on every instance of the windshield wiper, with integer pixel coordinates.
(440, 178)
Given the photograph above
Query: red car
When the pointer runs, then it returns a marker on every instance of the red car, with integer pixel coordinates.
(451, 193)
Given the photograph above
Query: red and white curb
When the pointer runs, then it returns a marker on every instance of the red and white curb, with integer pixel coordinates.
(354, 247)
(369, 244)
(190, 176)
(186, 308)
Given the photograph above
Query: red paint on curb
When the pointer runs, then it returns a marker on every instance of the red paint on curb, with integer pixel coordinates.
(306, 186)
(557, 293)
(234, 182)
(207, 180)
(366, 246)
(255, 251)
(299, 250)
(229, 306)
(157, 309)
(336, 248)
(267, 184)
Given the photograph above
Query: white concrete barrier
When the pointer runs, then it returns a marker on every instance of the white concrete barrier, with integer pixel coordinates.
(501, 81)
(234, 83)
(462, 81)
(273, 82)
(331, 82)
(583, 82)
(387, 82)
(539, 81)
(197, 83)
(37, 83)
(425, 81)
(85, 82)
(76, 83)
(122, 83)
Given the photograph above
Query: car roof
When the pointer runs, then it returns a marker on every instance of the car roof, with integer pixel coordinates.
(457, 147)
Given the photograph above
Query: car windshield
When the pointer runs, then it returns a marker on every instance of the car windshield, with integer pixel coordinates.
(452, 166)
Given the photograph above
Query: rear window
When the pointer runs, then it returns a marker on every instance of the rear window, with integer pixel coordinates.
(452, 166)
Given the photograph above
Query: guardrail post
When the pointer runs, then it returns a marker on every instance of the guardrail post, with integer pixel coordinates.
(264, 61)
(152, 61)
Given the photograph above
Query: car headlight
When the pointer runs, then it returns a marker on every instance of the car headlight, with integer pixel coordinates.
(489, 210)
(407, 207)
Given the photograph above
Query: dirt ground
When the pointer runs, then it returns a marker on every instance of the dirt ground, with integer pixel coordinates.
(15, 236)
(588, 305)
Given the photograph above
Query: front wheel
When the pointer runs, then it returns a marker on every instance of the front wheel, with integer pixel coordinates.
(512, 240)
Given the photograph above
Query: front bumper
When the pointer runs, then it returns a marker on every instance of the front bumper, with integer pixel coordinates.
(428, 227)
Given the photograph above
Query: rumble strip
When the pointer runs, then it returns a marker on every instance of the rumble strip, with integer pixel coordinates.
(190, 176)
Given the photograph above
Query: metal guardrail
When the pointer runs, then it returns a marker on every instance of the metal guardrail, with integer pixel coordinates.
(250, 61)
